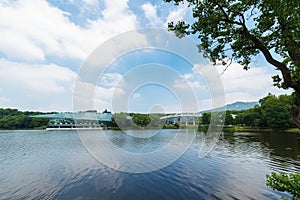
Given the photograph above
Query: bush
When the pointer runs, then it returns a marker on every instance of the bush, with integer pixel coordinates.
(284, 182)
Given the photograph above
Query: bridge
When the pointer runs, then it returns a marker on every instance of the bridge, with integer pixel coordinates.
(185, 119)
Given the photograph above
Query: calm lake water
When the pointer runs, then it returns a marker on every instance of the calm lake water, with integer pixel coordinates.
(56, 165)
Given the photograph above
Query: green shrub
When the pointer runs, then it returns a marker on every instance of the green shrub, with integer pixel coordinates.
(285, 182)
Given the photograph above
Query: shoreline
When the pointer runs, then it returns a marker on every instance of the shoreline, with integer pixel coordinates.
(227, 128)
(200, 128)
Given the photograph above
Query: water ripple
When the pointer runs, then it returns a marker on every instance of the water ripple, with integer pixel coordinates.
(55, 165)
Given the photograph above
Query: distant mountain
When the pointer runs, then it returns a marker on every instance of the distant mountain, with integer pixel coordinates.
(241, 105)
(234, 106)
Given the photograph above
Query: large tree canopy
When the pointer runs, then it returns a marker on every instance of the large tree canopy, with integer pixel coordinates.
(240, 29)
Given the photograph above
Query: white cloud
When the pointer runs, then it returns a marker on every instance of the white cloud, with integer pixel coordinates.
(39, 78)
(187, 81)
(90, 96)
(151, 14)
(242, 85)
(33, 29)
(91, 2)
(251, 84)
(109, 80)
(21, 49)
(177, 14)
(51, 88)
(136, 96)
(41, 87)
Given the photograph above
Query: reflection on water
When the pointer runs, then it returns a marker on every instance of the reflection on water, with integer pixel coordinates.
(281, 149)
(55, 164)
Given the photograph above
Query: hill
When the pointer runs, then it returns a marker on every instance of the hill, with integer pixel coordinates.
(234, 106)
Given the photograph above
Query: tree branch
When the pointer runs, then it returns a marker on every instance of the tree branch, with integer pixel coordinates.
(226, 15)
(251, 13)
(227, 66)
(293, 47)
(282, 67)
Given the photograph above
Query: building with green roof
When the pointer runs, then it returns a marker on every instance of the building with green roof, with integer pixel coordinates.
(78, 120)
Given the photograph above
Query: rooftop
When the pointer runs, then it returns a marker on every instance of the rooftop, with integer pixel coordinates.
(105, 116)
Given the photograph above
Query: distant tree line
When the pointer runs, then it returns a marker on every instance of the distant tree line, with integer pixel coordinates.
(11, 119)
(15, 119)
(137, 121)
(272, 112)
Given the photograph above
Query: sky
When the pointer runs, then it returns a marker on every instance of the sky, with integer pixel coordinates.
(47, 46)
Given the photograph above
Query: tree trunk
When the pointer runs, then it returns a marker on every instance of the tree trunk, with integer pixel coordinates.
(295, 110)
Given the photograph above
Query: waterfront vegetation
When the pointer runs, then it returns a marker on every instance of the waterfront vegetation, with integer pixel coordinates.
(137, 121)
(285, 182)
(271, 114)
(14, 119)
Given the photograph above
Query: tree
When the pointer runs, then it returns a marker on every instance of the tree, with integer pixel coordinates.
(241, 29)
(277, 116)
(275, 111)
(141, 120)
(252, 118)
(205, 120)
(122, 120)
(25, 122)
(155, 121)
(284, 182)
(229, 119)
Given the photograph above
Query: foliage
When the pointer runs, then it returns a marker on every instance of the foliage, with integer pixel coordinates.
(228, 118)
(176, 125)
(206, 118)
(251, 117)
(284, 182)
(121, 120)
(277, 116)
(171, 126)
(238, 30)
(15, 119)
(273, 112)
(137, 121)
(141, 120)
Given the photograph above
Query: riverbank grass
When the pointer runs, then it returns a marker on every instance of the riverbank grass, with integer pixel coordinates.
(250, 129)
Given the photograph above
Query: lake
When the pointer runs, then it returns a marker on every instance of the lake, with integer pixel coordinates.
(56, 165)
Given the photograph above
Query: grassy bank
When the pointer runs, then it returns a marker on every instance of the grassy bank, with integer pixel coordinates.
(251, 129)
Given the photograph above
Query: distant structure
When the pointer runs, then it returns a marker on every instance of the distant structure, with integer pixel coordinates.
(183, 119)
(78, 120)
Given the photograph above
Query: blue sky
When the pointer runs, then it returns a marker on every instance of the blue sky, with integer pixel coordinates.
(44, 44)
